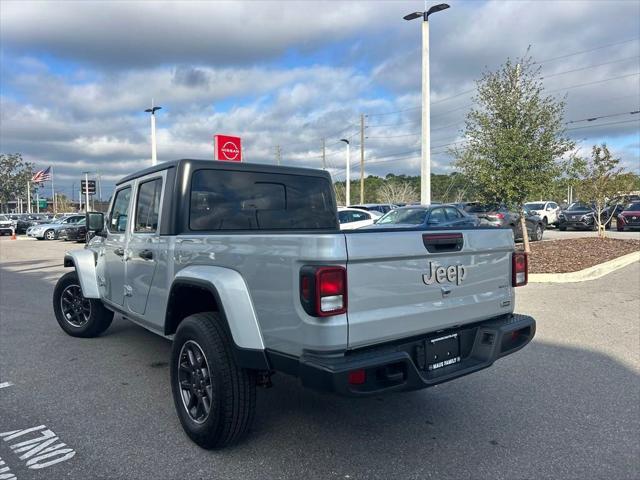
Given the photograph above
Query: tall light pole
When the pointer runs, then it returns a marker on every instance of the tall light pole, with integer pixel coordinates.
(425, 161)
(152, 111)
(347, 194)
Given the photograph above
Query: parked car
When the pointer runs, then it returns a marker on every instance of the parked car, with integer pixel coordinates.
(49, 231)
(426, 216)
(357, 313)
(535, 227)
(579, 215)
(616, 205)
(493, 214)
(498, 215)
(629, 217)
(20, 222)
(74, 232)
(547, 210)
(6, 225)
(378, 207)
(352, 218)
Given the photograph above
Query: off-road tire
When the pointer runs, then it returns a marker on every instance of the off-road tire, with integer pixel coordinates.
(233, 388)
(99, 319)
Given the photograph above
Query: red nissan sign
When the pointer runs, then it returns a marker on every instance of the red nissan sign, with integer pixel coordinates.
(227, 148)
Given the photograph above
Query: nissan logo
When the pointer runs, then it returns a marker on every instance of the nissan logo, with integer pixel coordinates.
(230, 151)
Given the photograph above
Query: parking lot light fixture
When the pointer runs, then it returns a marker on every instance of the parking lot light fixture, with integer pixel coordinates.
(152, 111)
(347, 193)
(425, 159)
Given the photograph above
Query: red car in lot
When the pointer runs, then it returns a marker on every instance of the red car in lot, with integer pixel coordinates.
(629, 217)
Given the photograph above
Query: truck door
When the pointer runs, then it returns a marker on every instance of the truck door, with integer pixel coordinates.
(144, 247)
(115, 246)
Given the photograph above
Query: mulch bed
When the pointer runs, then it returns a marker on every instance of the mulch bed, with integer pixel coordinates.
(571, 255)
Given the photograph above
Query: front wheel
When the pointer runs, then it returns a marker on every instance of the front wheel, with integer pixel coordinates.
(78, 316)
(214, 398)
(49, 235)
(537, 233)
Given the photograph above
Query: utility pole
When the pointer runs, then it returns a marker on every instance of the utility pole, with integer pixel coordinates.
(278, 154)
(361, 158)
(324, 154)
(348, 181)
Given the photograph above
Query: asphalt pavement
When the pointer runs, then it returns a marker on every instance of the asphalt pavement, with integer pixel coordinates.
(567, 406)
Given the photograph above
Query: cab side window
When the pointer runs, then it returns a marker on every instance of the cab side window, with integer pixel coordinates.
(120, 211)
(148, 206)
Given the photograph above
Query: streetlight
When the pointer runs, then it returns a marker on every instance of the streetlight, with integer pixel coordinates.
(425, 161)
(152, 111)
(348, 187)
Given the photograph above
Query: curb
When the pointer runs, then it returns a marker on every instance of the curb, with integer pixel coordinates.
(590, 273)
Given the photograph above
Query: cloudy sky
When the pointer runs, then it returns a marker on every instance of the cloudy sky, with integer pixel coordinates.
(77, 76)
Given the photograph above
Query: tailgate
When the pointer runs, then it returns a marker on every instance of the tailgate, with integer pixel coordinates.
(401, 284)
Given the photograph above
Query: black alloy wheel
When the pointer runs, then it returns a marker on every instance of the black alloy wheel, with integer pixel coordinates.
(194, 381)
(76, 309)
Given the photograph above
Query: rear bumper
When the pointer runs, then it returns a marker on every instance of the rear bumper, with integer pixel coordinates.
(399, 366)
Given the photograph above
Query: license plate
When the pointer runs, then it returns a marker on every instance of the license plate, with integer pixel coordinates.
(442, 351)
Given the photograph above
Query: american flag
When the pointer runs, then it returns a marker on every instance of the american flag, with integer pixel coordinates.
(42, 176)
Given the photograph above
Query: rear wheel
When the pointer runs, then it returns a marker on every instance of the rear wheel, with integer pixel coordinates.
(78, 316)
(214, 398)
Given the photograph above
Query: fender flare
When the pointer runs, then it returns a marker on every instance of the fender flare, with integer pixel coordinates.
(84, 261)
(235, 306)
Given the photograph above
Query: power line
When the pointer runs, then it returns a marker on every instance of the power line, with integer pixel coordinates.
(605, 124)
(635, 57)
(591, 119)
(571, 87)
(586, 51)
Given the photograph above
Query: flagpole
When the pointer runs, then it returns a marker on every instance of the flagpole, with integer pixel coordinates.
(37, 200)
(28, 196)
(53, 193)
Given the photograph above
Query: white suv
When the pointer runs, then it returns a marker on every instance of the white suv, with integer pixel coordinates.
(547, 210)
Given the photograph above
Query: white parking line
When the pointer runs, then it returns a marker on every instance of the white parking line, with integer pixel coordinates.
(5, 384)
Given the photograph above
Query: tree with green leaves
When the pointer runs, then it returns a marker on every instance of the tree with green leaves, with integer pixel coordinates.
(516, 144)
(14, 175)
(601, 178)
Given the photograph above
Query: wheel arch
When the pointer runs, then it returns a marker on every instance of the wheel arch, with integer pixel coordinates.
(199, 289)
(84, 262)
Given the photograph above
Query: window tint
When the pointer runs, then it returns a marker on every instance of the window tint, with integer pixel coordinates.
(239, 200)
(344, 216)
(120, 211)
(359, 216)
(148, 206)
(453, 213)
(438, 215)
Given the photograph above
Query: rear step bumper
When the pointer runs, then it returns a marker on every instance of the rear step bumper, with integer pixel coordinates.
(401, 365)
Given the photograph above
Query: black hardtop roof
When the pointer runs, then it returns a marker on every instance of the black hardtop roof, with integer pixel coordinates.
(196, 164)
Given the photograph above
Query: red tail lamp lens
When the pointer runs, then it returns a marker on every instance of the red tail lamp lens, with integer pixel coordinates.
(519, 269)
(357, 377)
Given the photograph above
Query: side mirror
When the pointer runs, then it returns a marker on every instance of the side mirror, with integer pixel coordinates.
(95, 222)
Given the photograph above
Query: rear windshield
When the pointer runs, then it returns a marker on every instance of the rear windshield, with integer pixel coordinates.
(534, 206)
(633, 207)
(406, 216)
(240, 200)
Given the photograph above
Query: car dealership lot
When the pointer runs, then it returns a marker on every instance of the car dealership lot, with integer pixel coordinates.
(567, 406)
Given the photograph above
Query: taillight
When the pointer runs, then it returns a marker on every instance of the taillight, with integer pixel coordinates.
(323, 290)
(500, 216)
(519, 269)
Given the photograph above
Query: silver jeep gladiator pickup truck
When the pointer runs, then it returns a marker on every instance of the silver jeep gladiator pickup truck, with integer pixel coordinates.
(245, 268)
